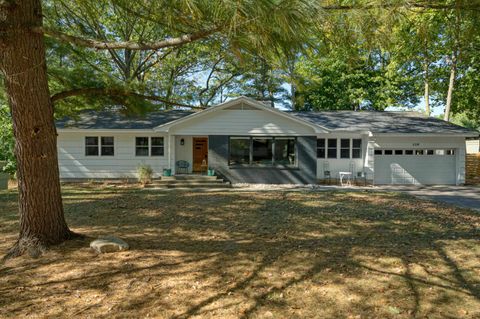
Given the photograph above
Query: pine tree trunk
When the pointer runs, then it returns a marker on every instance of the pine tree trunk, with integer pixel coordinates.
(22, 60)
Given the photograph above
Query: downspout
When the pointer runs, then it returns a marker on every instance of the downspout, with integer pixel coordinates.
(169, 150)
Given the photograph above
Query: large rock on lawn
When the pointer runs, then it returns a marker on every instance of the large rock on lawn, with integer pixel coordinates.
(108, 245)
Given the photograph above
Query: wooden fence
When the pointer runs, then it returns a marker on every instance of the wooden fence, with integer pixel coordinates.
(472, 169)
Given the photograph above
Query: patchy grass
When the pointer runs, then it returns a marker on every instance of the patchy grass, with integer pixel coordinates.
(231, 254)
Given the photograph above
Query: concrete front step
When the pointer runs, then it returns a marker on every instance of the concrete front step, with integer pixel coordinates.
(188, 181)
(189, 185)
(188, 177)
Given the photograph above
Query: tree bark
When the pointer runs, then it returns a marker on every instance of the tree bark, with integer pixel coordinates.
(453, 65)
(22, 60)
(293, 91)
(451, 84)
(427, 91)
(130, 45)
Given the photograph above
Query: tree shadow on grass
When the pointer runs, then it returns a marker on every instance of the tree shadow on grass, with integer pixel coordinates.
(253, 252)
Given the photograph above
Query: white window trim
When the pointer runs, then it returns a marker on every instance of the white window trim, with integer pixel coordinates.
(99, 146)
(350, 143)
(149, 146)
(352, 148)
(324, 147)
(339, 148)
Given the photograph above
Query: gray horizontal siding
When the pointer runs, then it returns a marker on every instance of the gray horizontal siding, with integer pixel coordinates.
(306, 173)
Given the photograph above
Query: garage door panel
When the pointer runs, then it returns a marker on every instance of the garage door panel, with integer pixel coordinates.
(413, 169)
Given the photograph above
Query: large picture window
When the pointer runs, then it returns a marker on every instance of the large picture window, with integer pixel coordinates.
(285, 151)
(262, 151)
(239, 150)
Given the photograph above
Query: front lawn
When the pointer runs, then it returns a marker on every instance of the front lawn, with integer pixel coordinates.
(236, 254)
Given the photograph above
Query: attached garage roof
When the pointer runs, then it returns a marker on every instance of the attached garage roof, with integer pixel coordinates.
(382, 122)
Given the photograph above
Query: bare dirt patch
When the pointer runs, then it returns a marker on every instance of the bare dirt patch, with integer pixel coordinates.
(233, 254)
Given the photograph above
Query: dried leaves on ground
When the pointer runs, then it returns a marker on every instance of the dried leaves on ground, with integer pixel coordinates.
(239, 254)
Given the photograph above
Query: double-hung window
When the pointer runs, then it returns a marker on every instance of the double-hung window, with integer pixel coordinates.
(149, 146)
(91, 146)
(349, 148)
(345, 148)
(95, 146)
(357, 148)
(332, 148)
(107, 146)
(321, 148)
(141, 146)
(157, 147)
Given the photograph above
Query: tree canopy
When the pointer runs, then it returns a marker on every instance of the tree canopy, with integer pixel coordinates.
(309, 55)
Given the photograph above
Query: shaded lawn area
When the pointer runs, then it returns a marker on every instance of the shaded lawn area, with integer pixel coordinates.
(238, 254)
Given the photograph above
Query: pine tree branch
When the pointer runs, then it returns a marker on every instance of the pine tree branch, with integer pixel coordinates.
(408, 5)
(187, 38)
(131, 45)
(116, 92)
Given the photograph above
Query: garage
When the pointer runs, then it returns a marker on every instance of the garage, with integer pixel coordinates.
(415, 166)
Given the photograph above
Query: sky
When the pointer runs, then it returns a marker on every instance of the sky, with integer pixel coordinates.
(420, 107)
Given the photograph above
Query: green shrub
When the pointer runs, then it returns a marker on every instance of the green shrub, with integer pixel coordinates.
(145, 173)
(6, 141)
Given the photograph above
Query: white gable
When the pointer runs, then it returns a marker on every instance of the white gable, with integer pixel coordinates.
(240, 122)
(241, 116)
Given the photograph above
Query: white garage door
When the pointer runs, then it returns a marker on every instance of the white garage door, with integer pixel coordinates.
(426, 167)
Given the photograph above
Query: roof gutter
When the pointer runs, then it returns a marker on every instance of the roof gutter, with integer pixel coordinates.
(473, 134)
(94, 130)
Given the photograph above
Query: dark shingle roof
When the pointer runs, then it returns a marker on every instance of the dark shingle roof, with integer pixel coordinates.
(375, 122)
(113, 119)
(381, 122)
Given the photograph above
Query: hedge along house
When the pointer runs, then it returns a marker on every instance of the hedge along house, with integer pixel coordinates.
(245, 141)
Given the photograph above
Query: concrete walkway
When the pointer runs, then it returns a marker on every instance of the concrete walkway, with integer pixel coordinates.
(461, 196)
